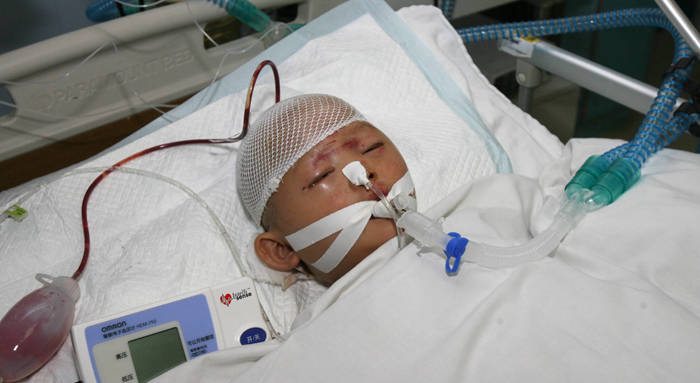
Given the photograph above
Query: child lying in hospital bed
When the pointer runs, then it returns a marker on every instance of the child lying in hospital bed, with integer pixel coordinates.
(291, 165)
(616, 303)
(449, 315)
(606, 307)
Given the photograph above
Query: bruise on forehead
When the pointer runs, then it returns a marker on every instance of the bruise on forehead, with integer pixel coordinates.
(302, 127)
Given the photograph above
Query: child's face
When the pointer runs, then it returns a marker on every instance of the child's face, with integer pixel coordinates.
(316, 187)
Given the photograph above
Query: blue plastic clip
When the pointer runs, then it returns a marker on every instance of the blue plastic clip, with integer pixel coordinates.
(455, 249)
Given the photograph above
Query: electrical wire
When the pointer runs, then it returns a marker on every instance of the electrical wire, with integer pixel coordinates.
(244, 131)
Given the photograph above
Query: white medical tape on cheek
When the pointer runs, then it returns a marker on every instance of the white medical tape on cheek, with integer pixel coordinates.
(351, 220)
(342, 244)
(328, 225)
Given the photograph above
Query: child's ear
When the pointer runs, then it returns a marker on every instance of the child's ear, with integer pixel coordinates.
(275, 252)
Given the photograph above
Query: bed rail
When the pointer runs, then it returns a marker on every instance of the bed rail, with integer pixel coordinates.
(611, 84)
(161, 56)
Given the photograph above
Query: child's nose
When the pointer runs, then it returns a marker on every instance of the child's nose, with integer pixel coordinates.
(372, 175)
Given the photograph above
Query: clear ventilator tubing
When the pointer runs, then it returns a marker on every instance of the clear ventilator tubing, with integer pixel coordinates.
(430, 233)
(539, 247)
(495, 257)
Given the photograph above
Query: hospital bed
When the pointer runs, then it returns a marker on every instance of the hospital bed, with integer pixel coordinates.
(617, 301)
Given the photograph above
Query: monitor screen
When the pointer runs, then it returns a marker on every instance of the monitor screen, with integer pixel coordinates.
(156, 353)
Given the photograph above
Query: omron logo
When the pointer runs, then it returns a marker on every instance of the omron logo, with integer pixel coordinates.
(114, 326)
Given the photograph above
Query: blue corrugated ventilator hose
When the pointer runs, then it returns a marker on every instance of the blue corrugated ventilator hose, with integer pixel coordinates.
(104, 10)
(602, 179)
(609, 175)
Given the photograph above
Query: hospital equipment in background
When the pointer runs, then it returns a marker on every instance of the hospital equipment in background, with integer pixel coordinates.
(135, 63)
(103, 10)
(29, 334)
(602, 179)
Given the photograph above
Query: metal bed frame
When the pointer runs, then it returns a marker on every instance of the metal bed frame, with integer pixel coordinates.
(161, 56)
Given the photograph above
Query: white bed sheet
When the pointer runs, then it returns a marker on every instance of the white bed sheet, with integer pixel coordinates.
(617, 301)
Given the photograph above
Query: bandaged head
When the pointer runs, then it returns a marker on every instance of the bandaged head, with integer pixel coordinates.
(279, 137)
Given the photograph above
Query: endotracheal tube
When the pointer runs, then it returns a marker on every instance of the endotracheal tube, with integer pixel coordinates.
(457, 248)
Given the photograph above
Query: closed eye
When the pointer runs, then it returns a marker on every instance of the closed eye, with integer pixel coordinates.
(320, 178)
(375, 146)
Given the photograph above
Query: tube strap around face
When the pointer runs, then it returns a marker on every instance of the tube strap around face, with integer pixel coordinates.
(344, 242)
(352, 221)
(327, 225)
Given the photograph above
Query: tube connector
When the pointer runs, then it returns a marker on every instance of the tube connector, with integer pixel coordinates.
(619, 177)
(248, 13)
(423, 229)
(455, 249)
(429, 233)
(575, 208)
(587, 175)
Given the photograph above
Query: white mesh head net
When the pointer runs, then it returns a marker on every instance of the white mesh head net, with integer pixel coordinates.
(279, 137)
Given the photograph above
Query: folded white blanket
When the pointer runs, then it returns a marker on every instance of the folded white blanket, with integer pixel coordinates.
(617, 301)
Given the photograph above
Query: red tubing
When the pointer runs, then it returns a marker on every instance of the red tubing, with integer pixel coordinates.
(246, 113)
(244, 131)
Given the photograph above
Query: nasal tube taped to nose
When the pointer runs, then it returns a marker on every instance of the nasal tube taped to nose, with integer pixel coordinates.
(351, 220)
(357, 174)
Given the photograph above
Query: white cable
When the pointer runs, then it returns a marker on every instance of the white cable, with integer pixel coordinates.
(145, 173)
(227, 238)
